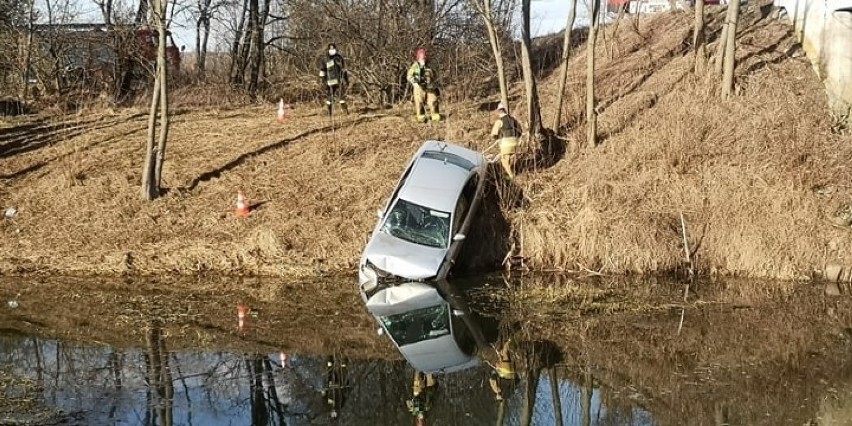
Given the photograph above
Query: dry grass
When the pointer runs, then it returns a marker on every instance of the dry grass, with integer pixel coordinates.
(745, 174)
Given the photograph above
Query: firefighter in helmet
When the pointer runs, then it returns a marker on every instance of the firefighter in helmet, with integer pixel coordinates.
(506, 130)
(334, 77)
(424, 79)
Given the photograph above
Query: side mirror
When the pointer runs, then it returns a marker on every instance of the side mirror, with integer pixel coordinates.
(379, 213)
(459, 237)
(458, 312)
(182, 47)
(380, 331)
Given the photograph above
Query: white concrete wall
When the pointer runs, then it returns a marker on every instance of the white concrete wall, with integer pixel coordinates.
(824, 27)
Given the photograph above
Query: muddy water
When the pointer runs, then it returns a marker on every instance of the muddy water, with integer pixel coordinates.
(600, 352)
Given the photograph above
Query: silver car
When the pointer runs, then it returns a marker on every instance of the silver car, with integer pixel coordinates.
(429, 324)
(421, 229)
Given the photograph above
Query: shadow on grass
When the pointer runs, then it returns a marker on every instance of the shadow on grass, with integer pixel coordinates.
(239, 160)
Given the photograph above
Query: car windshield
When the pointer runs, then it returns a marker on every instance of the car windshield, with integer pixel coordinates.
(417, 224)
(418, 325)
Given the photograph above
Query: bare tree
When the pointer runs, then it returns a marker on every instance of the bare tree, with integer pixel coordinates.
(563, 70)
(203, 14)
(485, 9)
(106, 7)
(533, 108)
(730, 49)
(698, 39)
(25, 73)
(591, 103)
(154, 157)
(719, 57)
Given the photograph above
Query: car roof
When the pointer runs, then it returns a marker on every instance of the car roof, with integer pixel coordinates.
(436, 183)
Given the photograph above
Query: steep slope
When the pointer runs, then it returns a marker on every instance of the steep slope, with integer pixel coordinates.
(757, 178)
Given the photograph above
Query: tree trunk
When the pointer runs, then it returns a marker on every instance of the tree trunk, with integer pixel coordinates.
(591, 114)
(237, 48)
(28, 53)
(149, 190)
(202, 28)
(719, 57)
(563, 71)
(256, 55)
(162, 74)
(141, 12)
(730, 49)
(533, 109)
(698, 40)
(153, 164)
(253, 53)
(484, 9)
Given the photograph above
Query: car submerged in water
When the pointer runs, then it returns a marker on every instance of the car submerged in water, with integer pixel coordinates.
(424, 223)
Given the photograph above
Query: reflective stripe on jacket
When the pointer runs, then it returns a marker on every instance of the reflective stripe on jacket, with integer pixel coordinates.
(332, 69)
(423, 75)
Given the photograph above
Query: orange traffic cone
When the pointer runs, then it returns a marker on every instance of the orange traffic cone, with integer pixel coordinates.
(242, 318)
(282, 113)
(243, 209)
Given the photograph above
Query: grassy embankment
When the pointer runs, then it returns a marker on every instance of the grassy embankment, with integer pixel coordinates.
(757, 178)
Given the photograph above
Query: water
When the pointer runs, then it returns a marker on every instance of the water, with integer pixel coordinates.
(103, 352)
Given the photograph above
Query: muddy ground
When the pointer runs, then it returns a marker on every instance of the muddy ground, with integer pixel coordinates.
(759, 179)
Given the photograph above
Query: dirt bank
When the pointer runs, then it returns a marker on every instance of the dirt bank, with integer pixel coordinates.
(757, 178)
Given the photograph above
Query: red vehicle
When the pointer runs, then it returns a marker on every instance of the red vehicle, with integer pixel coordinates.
(148, 40)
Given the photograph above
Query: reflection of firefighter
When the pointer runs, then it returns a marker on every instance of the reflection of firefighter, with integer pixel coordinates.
(422, 391)
(502, 370)
(334, 78)
(337, 386)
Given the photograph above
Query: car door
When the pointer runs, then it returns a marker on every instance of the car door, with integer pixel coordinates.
(460, 222)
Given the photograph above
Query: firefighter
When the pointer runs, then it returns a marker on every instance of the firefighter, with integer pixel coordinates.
(334, 77)
(506, 130)
(424, 79)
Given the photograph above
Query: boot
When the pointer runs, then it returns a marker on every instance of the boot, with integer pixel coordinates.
(420, 118)
(344, 106)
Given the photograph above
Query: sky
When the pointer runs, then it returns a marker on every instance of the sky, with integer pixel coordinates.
(550, 16)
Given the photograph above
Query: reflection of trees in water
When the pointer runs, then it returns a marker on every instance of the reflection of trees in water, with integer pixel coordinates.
(158, 378)
(155, 387)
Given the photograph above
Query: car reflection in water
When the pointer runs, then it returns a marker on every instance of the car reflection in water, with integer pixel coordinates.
(430, 325)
